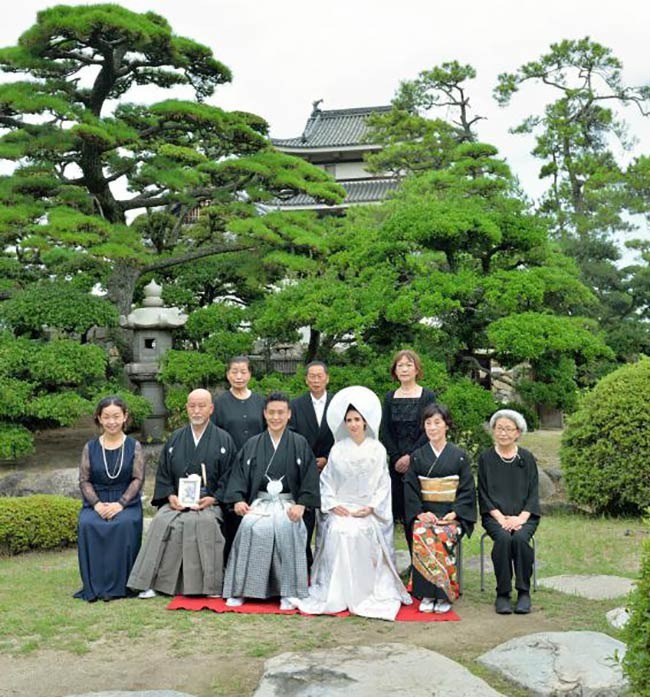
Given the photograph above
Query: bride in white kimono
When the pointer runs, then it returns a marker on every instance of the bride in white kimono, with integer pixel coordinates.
(354, 567)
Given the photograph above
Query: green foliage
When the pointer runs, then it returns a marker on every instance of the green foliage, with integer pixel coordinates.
(80, 67)
(636, 633)
(15, 441)
(471, 406)
(191, 369)
(37, 522)
(579, 138)
(554, 347)
(59, 306)
(606, 445)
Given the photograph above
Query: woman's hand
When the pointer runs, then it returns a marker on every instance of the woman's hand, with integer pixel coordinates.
(101, 509)
(363, 512)
(402, 464)
(339, 510)
(428, 517)
(113, 509)
(449, 517)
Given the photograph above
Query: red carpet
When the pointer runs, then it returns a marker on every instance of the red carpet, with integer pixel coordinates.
(407, 613)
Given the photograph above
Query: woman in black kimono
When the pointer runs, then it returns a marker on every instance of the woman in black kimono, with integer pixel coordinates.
(401, 424)
(509, 504)
(440, 506)
(111, 476)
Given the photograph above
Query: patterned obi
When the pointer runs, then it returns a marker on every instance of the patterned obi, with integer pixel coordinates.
(439, 489)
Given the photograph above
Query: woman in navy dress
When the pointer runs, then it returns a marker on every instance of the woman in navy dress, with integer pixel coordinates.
(111, 476)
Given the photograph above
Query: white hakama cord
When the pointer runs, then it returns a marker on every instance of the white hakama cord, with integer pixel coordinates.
(268, 554)
(354, 567)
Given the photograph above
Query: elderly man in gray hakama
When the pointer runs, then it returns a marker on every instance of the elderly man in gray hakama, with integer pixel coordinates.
(273, 481)
(183, 550)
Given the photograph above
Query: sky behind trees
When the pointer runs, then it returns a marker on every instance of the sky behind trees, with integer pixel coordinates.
(286, 54)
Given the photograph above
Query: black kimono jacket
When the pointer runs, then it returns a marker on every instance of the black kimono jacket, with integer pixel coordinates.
(293, 460)
(180, 458)
(303, 421)
(452, 461)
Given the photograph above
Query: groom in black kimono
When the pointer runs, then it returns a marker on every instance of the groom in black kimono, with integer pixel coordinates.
(273, 482)
(184, 548)
(309, 419)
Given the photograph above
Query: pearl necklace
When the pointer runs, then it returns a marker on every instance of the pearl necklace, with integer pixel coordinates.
(507, 460)
(117, 472)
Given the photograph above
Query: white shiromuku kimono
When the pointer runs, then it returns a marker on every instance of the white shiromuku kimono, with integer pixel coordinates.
(354, 566)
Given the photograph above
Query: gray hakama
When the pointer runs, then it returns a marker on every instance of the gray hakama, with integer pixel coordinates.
(268, 555)
(183, 550)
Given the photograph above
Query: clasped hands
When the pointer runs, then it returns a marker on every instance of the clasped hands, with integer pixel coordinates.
(294, 512)
(362, 512)
(108, 511)
(428, 517)
(511, 522)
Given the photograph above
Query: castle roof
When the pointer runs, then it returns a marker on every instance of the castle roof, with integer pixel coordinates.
(358, 191)
(332, 128)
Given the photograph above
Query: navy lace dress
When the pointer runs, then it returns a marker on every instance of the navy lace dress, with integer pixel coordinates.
(107, 548)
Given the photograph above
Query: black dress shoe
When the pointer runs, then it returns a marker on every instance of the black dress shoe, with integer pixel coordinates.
(502, 605)
(523, 603)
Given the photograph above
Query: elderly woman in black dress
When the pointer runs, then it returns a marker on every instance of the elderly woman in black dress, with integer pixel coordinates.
(509, 505)
(401, 425)
(111, 476)
(440, 503)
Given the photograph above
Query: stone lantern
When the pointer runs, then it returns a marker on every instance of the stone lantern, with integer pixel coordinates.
(152, 326)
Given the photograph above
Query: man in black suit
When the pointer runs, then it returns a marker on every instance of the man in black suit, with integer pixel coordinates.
(309, 418)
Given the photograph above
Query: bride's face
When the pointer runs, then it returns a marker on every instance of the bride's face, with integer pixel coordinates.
(356, 425)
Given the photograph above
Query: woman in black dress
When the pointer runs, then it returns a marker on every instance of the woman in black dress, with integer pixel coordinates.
(240, 412)
(111, 476)
(509, 504)
(440, 503)
(401, 424)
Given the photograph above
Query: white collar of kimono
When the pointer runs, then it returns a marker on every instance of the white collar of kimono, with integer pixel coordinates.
(365, 401)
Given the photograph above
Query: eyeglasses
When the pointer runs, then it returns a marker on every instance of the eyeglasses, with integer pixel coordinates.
(506, 429)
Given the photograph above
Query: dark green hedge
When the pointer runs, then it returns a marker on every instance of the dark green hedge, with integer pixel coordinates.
(636, 634)
(606, 446)
(37, 522)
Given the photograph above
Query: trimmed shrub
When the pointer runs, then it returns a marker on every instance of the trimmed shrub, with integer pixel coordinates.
(636, 633)
(37, 522)
(606, 446)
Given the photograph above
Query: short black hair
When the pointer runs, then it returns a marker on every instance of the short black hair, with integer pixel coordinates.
(277, 397)
(314, 364)
(434, 409)
(112, 401)
(239, 359)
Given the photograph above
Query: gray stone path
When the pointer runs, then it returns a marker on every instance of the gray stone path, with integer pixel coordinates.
(384, 670)
(552, 664)
(592, 587)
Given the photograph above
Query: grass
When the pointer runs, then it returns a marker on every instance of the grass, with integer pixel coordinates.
(53, 619)
(38, 613)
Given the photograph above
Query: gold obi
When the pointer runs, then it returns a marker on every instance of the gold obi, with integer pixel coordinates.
(439, 489)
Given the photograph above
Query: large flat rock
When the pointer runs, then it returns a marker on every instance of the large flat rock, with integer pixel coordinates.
(553, 664)
(593, 587)
(384, 670)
